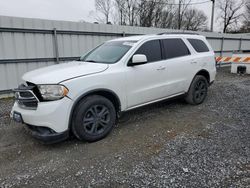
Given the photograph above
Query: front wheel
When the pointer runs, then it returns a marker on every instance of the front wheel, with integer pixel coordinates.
(93, 118)
(198, 90)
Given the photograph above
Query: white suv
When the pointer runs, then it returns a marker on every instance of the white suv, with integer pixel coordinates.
(85, 97)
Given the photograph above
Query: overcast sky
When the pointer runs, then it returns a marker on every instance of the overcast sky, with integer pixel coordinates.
(70, 10)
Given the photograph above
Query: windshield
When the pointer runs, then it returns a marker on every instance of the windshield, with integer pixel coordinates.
(109, 52)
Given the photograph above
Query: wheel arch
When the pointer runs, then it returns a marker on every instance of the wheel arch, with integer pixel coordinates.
(204, 73)
(201, 72)
(109, 94)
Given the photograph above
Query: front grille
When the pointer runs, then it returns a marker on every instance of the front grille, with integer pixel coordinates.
(25, 97)
(26, 94)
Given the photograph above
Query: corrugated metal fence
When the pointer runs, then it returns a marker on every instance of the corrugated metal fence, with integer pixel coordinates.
(27, 44)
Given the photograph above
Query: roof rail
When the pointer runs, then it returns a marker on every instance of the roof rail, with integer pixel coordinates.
(169, 33)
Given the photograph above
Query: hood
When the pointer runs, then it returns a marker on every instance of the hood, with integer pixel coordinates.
(58, 73)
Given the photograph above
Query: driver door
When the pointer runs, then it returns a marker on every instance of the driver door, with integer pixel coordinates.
(146, 82)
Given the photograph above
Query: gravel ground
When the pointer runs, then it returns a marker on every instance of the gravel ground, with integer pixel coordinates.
(168, 144)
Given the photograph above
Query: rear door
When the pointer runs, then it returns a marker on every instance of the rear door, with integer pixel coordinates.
(180, 65)
(204, 55)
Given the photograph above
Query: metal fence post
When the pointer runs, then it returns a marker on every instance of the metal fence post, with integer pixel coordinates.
(56, 45)
(222, 46)
(221, 49)
(240, 45)
(123, 34)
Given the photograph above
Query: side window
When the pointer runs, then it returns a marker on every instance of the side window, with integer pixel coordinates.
(151, 49)
(198, 45)
(175, 48)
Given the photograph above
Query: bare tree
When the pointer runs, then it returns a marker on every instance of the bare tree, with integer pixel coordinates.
(173, 15)
(150, 12)
(246, 23)
(247, 7)
(194, 20)
(182, 7)
(156, 13)
(230, 13)
(168, 19)
(104, 7)
(132, 8)
(153, 13)
(119, 5)
(127, 11)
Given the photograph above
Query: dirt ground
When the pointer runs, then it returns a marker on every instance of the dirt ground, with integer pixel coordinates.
(168, 144)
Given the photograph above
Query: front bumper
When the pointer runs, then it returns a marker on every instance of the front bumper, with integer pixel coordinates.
(47, 135)
(49, 122)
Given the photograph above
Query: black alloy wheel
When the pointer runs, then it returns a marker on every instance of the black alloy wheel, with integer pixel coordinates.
(93, 119)
(96, 119)
(197, 92)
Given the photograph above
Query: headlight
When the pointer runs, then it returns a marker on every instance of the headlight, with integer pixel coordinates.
(52, 92)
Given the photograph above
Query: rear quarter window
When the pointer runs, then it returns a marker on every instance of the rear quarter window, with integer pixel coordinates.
(198, 45)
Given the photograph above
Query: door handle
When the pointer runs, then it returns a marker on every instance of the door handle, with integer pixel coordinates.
(193, 62)
(161, 68)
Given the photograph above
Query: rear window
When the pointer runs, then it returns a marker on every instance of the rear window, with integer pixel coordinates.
(198, 45)
(175, 48)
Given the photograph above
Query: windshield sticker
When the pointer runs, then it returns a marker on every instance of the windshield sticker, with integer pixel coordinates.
(128, 43)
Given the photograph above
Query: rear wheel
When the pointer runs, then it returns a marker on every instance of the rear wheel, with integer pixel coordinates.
(198, 90)
(94, 118)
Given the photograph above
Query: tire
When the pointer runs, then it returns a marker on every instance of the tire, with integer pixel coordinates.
(197, 91)
(93, 118)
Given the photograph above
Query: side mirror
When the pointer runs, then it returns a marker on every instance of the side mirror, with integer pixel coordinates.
(139, 59)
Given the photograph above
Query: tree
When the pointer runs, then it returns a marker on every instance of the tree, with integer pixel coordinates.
(158, 13)
(230, 13)
(182, 7)
(104, 7)
(131, 13)
(127, 10)
(119, 5)
(247, 6)
(168, 19)
(246, 23)
(194, 20)
(153, 13)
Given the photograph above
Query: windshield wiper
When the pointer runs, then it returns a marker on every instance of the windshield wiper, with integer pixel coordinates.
(91, 61)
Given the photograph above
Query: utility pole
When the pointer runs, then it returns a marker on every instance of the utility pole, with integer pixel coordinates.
(212, 16)
(179, 15)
